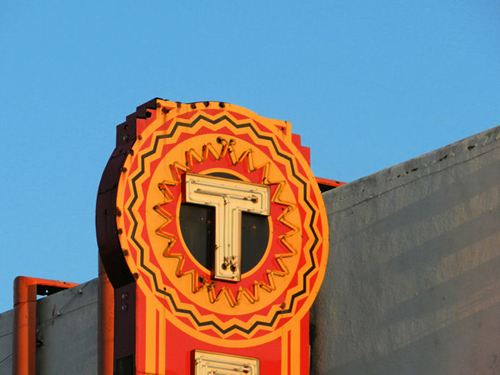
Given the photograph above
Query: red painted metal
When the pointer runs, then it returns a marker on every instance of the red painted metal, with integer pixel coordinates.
(326, 184)
(106, 323)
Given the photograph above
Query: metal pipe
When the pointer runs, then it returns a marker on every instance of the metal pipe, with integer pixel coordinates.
(326, 184)
(105, 330)
(26, 289)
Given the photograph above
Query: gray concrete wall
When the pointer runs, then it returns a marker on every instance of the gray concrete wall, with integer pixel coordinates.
(67, 333)
(6, 321)
(413, 281)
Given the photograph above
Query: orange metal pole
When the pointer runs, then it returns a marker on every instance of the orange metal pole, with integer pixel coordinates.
(106, 323)
(24, 326)
(26, 290)
(329, 182)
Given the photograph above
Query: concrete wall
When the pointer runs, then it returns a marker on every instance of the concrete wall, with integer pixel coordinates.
(67, 333)
(413, 281)
(6, 321)
(412, 287)
(67, 325)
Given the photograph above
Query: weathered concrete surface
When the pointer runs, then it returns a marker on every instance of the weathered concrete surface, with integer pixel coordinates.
(67, 333)
(67, 324)
(6, 321)
(413, 281)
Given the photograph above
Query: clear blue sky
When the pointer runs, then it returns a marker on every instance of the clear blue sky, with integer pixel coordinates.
(367, 84)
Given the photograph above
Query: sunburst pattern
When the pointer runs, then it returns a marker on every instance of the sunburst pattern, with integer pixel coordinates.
(178, 138)
(215, 292)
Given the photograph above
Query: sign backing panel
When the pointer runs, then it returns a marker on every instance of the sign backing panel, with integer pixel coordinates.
(247, 289)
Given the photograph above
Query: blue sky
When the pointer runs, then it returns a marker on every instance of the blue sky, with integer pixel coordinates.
(367, 84)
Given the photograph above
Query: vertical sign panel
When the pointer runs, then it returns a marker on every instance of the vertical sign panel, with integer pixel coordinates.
(213, 232)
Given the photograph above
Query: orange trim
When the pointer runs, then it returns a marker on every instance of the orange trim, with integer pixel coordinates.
(328, 182)
(26, 289)
(105, 331)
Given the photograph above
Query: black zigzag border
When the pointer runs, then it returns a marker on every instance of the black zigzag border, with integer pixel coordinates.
(153, 275)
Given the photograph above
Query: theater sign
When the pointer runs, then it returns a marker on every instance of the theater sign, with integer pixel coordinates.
(212, 231)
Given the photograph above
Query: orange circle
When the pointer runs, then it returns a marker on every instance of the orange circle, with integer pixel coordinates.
(296, 256)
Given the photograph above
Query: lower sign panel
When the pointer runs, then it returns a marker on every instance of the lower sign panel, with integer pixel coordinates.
(207, 363)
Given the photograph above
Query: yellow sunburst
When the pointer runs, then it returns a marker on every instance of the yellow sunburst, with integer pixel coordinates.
(226, 149)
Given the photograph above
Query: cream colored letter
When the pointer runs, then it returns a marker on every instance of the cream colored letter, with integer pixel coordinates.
(230, 198)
